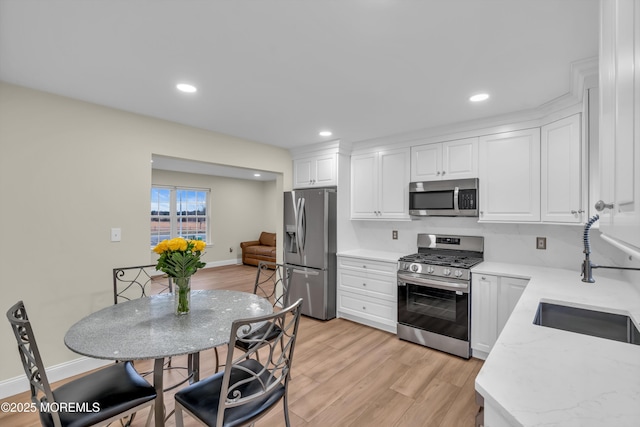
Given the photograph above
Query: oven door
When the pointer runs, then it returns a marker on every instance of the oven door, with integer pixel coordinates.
(441, 307)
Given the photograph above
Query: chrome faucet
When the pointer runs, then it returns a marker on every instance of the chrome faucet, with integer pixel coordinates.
(587, 265)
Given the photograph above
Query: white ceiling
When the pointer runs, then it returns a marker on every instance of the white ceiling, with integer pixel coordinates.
(279, 71)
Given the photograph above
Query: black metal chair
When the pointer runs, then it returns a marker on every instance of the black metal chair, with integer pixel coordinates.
(272, 283)
(247, 389)
(137, 282)
(98, 398)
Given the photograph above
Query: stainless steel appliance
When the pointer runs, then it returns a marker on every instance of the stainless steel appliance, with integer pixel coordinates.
(434, 292)
(310, 249)
(456, 197)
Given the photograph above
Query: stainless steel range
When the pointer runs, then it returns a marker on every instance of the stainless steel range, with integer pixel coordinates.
(434, 292)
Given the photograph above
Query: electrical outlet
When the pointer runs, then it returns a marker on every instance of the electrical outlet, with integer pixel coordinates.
(394, 234)
(541, 243)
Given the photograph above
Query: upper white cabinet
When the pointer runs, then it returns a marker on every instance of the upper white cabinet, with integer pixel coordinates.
(620, 120)
(315, 171)
(509, 170)
(445, 160)
(561, 177)
(380, 185)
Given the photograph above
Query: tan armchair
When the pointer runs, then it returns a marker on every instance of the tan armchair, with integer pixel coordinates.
(263, 249)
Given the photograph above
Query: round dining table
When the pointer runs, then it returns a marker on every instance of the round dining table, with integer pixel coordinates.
(147, 328)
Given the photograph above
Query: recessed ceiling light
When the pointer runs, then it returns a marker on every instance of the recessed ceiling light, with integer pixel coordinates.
(256, 175)
(183, 87)
(325, 133)
(479, 97)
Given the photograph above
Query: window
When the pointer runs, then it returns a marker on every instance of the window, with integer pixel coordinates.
(179, 212)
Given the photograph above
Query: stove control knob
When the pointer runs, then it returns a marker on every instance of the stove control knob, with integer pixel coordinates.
(430, 270)
(446, 272)
(457, 273)
(414, 267)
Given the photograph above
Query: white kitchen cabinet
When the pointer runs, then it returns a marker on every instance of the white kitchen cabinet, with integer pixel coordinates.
(620, 120)
(510, 290)
(509, 174)
(484, 312)
(380, 185)
(367, 292)
(493, 299)
(315, 171)
(561, 174)
(445, 160)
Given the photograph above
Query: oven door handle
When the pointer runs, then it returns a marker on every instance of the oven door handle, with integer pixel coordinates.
(448, 286)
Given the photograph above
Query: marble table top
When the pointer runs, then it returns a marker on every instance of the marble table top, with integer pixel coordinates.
(147, 328)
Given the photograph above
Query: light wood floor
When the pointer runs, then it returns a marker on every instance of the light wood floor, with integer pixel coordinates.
(344, 374)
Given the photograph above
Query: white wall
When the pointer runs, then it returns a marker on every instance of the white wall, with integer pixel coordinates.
(513, 243)
(69, 171)
(240, 209)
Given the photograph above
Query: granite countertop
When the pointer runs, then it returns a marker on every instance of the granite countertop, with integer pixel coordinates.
(373, 255)
(147, 328)
(539, 376)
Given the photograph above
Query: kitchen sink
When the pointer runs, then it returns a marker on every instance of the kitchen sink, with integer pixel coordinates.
(617, 327)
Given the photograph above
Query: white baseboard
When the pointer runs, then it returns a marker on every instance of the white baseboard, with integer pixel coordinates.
(19, 384)
(232, 261)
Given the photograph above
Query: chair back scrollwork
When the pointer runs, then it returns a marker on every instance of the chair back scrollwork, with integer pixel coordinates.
(272, 283)
(136, 282)
(30, 356)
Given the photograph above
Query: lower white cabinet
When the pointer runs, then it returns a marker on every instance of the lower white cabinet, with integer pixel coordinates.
(493, 299)
(367, 292)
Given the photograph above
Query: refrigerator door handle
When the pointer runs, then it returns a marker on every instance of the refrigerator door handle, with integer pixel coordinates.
(302, 227)
(296, 215)
(306, 272)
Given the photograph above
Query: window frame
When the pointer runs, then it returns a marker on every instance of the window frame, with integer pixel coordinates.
(174, 215)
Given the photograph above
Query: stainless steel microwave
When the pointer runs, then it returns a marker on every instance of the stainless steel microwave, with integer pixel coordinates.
(455, 197)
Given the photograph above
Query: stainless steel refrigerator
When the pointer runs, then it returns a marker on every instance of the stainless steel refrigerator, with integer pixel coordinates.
(310, 249)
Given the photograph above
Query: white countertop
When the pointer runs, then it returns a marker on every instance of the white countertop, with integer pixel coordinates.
(373, 255)
(539, 376)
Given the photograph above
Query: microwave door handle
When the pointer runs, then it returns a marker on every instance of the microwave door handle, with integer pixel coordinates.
(456, 206)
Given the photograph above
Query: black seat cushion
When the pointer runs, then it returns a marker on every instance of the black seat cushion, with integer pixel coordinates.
(112, 390)
(259, 334)
(201, 398)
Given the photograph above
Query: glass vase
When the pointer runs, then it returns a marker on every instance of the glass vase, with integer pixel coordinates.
(181, 294)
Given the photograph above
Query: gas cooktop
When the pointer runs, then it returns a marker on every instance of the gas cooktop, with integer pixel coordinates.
(449, 260)
(443, 256)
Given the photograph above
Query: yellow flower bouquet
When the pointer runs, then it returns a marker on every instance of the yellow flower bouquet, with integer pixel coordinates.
(180, 259)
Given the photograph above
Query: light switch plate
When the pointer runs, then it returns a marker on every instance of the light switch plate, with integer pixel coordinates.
(116, 234)
(541, 243)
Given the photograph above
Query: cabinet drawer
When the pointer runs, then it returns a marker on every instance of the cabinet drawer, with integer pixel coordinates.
(379, 285)
(368, 265)
(372, 308)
